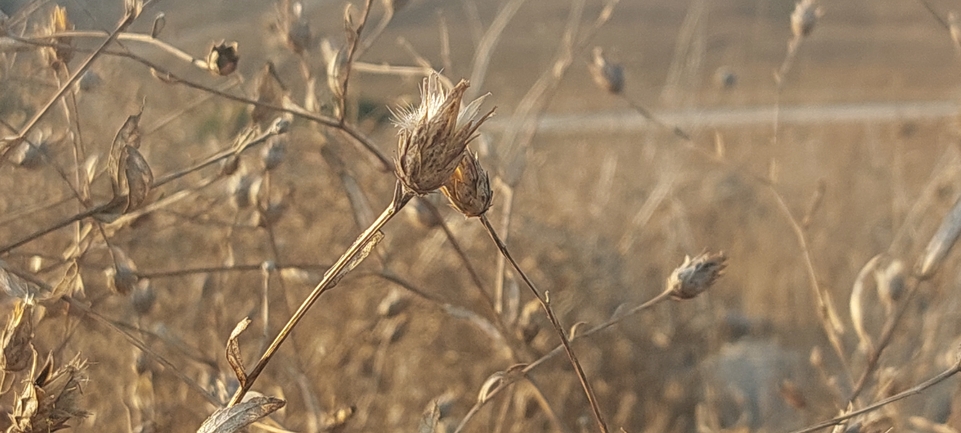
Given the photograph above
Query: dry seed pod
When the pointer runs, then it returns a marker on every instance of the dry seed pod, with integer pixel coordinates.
(17, 339)
(940, 244)
(134, 178)
(468, 189)
(607, 75)
(433, 135)
(52, 399)
(804, 17)
(336, 61)
(222, 59)
(696, 275)
(526, 323)
(122, 278)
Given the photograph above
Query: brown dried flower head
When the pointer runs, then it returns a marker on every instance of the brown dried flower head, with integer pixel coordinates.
(468, 189)
(50, 400)
(223, 59)
(804, 17)
(434, 134)
(696, 275)
(607, 75)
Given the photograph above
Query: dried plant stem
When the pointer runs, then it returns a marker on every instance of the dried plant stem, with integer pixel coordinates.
(917, 389)
(663, 296)
(127, 20)
(399, 200)
(135, 37)
(157, 182)
(650, 117)
(826, 313)
(353, 38)
(545, 302)
(886, 335)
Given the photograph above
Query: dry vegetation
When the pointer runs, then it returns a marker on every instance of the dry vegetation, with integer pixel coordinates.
(198, 232)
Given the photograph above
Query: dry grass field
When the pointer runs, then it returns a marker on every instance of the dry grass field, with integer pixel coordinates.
(831, 194)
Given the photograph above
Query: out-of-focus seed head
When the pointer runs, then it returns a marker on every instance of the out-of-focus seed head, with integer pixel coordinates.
(433, 135)
(273, 154)
(392, 304)
(527, 325)
(244, 190)
(223, 58)
(59, 23)
(143, 297)
(725, 77)
(295, 28)
(29, 153)
(88, 82)
(468, 189)
(696, 275)
(17, 339)
(891, 282)
(230, 165)
(607, 75)
(805, 16)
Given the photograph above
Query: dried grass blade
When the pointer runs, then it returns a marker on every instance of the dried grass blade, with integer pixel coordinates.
(236, 418)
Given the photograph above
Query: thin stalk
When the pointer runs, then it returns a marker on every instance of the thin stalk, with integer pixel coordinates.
(917, 389)
(545, 302)
(330, 278)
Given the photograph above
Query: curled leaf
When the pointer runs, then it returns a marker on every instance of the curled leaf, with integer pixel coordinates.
(234, 357)
(237, 417)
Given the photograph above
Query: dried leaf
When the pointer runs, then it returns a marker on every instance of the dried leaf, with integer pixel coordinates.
(234, 357)
(428, 424)
(361, 255)
(223, 58)
(235, 418)
(17, 339)
(137, 178)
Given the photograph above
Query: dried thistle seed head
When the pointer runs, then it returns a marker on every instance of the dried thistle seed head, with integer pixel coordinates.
(696, 275)
(607, 75)
(433, 135)
(223, 58)
(58, 56)
(468, 189)
(50, 400)
(17, 340)
(804, 17)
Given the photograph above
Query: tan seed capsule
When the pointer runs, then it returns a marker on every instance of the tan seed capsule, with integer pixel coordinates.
(804, 17)
(696, 275)
(607, 75)
(468, 189)
(223, 58)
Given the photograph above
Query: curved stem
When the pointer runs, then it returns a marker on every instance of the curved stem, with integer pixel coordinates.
(545, 302)
(331, 277)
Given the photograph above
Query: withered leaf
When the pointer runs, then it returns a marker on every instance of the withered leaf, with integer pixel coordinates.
(428, 424)
(137, 178)
(17, 339)
(234, 357)
(236, 418)
(361, 255)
